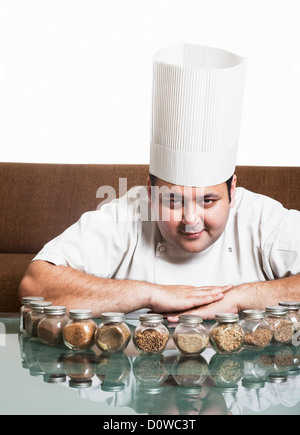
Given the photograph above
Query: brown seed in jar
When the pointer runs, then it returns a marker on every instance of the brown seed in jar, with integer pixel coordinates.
(151, 340)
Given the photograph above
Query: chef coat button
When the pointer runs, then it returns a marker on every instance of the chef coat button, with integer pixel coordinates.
(162, 248)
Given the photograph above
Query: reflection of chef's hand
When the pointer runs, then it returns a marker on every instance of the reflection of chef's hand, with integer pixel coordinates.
(173, 298)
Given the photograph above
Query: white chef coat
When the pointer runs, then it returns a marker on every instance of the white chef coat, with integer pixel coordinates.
(261, 241)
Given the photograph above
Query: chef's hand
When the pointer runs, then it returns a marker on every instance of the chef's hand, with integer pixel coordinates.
(179, 298)
(227, 304)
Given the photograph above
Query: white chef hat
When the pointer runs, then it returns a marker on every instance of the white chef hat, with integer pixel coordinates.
(196, 114)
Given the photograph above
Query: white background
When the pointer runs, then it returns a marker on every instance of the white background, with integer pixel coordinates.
(75, 75)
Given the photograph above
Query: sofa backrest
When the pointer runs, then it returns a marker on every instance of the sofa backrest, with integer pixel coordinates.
(39, 201)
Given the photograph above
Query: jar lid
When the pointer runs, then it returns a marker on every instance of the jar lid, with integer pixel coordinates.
(254, 314)
(191, 319)
(290, 305)
(32, 299)
(54, 310)
(227, 317)
(40, 305)
(151, 317)
(112, 317)
(80, 314)
(276, 309)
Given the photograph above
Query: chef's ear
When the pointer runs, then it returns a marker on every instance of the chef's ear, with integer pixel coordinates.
(233, 191)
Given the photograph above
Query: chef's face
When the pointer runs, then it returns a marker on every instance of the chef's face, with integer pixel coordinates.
(191, 218)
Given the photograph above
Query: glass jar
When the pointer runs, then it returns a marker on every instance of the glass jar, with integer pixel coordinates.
(113, 334)
(79, 332)
(151, 336)
(190, 337)
(226, 335)
(293, 313)
(281, 324)
(50, 327)
(257, 331)
(25, 308)
(32, 318)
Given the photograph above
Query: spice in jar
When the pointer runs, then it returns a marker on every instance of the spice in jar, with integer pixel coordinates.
(113, 334)
(190, 337)
(34, 316)
(294, 315)
(50, 327)
(281, 324)
(79, 332)
(151, 336)
(257, 331)
(25, 308)
(226, 335)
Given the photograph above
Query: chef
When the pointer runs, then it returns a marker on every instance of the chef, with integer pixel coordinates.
(189, 241)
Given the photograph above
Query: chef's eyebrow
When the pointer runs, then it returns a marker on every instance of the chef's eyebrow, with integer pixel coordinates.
(211, 195)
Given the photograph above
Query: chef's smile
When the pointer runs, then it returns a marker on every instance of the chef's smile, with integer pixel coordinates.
(190, 235)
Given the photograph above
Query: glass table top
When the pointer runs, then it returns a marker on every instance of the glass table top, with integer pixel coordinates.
(40, 379)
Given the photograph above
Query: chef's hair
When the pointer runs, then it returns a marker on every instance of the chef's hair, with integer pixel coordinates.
(228, 183)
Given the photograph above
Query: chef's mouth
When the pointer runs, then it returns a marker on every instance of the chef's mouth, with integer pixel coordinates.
(192, 234)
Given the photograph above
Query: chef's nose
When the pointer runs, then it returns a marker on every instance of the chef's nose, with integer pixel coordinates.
(192, 214)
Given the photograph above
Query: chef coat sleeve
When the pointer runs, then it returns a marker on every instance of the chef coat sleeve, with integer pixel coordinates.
(284, 246)
(95, 244)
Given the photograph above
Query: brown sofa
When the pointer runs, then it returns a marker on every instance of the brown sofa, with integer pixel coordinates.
(39, 201)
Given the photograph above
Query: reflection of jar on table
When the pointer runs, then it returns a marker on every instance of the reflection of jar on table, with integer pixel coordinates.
(113, 367)
(150, 370)
(190, 371)
(79, 366)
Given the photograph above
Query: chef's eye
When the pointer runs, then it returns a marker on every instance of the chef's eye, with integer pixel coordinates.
(208, 202)
(172, 201)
